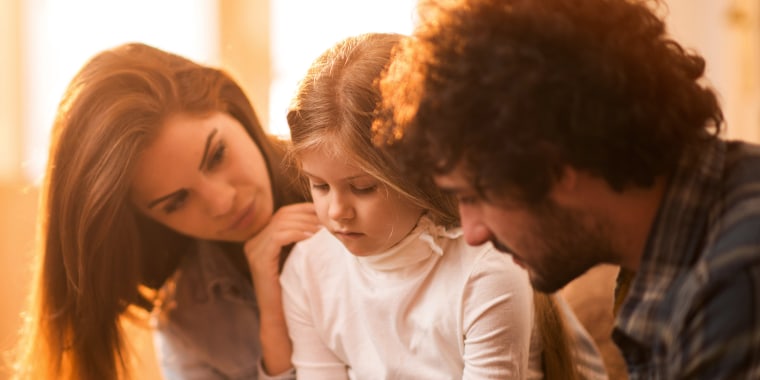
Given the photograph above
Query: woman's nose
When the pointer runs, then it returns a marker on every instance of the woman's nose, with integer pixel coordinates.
(218, 197)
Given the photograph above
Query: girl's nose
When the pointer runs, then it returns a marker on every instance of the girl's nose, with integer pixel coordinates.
(339, 208)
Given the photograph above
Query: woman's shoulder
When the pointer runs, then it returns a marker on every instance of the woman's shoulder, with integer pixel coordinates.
(207, 316)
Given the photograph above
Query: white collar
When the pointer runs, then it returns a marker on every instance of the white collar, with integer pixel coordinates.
(425, 240)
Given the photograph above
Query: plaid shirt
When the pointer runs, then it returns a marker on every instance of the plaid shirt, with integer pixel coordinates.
(692, 310)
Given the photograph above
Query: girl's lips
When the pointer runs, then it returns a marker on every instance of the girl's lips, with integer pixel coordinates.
(348, 235)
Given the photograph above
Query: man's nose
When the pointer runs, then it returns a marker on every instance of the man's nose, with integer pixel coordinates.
(475, 232)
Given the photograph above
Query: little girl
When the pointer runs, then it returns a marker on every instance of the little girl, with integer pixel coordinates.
(389, 289)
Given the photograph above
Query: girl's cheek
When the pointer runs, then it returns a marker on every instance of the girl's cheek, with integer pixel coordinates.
(320, 206)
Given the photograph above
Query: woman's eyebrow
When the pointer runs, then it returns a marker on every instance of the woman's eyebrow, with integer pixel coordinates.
(205, 149)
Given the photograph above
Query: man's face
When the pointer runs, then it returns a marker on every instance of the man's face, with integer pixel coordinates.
(555, 244)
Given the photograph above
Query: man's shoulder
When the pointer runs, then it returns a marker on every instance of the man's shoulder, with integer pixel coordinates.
(742, 167)
(733, 235)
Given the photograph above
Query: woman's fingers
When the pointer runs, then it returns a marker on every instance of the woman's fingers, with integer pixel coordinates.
(289, 224)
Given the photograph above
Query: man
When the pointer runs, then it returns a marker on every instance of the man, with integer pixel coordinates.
(574, 133)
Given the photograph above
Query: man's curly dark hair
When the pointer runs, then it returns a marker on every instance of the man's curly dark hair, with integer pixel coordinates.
(518, 89)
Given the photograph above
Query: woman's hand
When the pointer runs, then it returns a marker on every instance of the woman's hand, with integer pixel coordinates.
(288, 225)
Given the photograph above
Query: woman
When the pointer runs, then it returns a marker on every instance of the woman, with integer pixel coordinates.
(162, 193)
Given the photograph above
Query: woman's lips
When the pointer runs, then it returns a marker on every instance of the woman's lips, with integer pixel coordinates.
(244, 218)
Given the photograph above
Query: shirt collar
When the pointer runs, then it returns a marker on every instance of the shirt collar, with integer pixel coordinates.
(425, 240)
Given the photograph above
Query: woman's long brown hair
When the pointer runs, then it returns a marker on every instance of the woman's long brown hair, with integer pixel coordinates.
(95, 252)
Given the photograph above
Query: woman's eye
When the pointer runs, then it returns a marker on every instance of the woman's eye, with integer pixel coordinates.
(175, 203)
(217, 157)
(320, 186)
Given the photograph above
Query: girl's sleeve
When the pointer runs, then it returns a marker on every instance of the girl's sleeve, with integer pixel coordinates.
(312, 359)
(497, 310)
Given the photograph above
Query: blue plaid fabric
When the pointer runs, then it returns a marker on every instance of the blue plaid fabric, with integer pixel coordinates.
(692, 310)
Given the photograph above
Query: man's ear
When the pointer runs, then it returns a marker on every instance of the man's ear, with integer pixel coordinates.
(566, 185)
(568, 180)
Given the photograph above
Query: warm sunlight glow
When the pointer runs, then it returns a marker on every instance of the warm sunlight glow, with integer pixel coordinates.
(61, 35)
(303, 29)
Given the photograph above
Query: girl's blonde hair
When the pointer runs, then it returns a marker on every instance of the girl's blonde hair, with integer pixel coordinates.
(333, 111)
(95, 251)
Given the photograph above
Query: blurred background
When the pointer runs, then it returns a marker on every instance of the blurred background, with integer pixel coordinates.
(267, 46)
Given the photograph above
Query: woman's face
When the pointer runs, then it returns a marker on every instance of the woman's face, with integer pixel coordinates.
(204, 177)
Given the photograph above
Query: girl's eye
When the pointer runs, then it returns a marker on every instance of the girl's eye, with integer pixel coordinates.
(176, 202)
(320, 186)
(218, 156)
(363, 189)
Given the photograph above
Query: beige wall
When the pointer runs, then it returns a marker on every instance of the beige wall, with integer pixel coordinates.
(727, 34)
(18, 205)
(10, 89)
(17, 202)
(244, 49)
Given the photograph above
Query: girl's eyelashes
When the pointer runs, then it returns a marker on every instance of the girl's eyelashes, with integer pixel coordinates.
(176, 202)
(218, 156)
(356, 189)
(364, 189)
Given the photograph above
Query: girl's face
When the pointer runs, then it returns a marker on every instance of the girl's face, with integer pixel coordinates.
(363, 213)
(204, 177)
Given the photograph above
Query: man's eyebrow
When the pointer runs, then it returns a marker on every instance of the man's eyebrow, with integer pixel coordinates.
(158, 200)
(205, 149)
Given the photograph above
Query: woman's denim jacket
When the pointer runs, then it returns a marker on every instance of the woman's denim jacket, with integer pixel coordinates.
(207, 322)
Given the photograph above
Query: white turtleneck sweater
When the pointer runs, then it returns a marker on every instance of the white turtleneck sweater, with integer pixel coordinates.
(431, 307)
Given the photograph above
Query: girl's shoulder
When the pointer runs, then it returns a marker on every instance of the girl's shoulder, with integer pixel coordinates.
(321, 248)
(457, 249)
